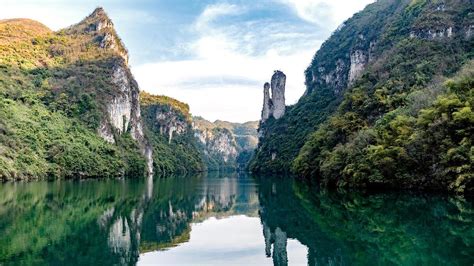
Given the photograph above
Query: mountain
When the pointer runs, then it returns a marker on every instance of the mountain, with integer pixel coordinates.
(387, 103)
(226, 145)
(69, 104)
(169, 127)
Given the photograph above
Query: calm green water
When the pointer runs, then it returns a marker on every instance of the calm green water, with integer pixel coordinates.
(227, 219)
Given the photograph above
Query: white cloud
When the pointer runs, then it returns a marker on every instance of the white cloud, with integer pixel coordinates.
(237, 101)
(213, 12)
(326, 13)
(225, 79)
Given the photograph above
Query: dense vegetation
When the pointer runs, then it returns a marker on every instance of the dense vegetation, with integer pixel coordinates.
(181, 154)
(400, 124)
(52, 89)
(426, 143)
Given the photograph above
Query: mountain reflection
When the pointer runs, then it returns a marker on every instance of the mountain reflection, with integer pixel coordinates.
(112, 222)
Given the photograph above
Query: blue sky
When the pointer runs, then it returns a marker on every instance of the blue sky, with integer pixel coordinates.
(214, 55)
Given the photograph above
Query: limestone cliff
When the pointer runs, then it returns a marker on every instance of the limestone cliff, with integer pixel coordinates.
(274, 105)
(379, 75)
(168, 125)
(122, 105)
(80, 79)
(225, 144)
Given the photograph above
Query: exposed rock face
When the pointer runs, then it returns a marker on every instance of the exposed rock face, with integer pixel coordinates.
(267, 102)
(230, 145)
(358, 62)
(432, 34)
(274, 105)
(278, 94)
(469, 32)
(101, 27)
(170, 122)
(123, 112)
(336, 79)
(122, 106)
(218, 142)
(109, 41)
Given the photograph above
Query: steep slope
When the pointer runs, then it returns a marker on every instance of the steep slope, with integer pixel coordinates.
(226, 145)
(62, 94)
(378, 77)
(168, 126)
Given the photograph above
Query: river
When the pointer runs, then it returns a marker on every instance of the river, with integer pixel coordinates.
(227, 219)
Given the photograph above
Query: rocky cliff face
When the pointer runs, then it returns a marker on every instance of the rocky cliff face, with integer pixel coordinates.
(218, 142)
(79, 76)
(168, 125)
(359, 60)
(122, 106)
(168, 121)
(225, 144)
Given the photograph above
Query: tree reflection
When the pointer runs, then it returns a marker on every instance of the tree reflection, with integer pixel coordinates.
(112, 222)
(361, 228)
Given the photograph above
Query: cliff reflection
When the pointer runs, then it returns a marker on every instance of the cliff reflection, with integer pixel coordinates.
(114, 222)
(363, 229)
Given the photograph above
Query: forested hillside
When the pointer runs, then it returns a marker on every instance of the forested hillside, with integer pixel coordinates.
(168, 126)
(55, 88)
(388, 102)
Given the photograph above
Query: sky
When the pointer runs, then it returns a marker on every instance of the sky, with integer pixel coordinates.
(214, 55)
(217, 242)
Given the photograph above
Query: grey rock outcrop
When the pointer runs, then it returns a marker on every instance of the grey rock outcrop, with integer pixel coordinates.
(278, 94)
(101, 27)
(169, 121)
(432, 34)
(469, 32)
(123, 107)
(274, 105)
(121, 104)
(218, 142)
(267, 102)
(359, 60)
(336, 78)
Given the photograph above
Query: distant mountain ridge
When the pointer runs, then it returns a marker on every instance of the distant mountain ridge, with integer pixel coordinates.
(226, 145)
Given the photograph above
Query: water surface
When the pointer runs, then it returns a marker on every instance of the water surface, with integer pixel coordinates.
(232, 219)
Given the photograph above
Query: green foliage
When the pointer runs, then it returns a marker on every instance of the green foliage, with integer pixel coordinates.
(397, 125)
(147, 99)
(180, 155)
(53, 90)
(36, 143)
(429, 149)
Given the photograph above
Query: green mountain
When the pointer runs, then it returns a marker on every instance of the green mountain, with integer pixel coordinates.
(69, 104)
(387, 104)
(168, 126)
(226, 145)
(70, 107)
